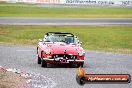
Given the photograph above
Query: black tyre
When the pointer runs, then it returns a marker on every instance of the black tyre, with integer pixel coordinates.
(43, 63)
(39, 60)
(78, 65)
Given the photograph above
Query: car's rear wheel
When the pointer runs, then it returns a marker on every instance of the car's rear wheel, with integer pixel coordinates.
(43, 63)
(80, 65)
(39, 60)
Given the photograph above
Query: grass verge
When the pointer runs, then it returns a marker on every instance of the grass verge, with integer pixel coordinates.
(106, 38)
(27, 10)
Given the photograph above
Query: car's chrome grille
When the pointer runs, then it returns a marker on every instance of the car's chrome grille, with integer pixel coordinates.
(65, 56)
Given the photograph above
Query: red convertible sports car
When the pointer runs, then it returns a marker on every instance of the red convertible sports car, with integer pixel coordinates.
(60, 48)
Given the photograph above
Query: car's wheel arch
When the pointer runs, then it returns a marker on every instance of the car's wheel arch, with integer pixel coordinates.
(39, 52)
(42, 54)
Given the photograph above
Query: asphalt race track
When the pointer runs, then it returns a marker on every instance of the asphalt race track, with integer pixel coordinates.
(64, 21)
(24, 58)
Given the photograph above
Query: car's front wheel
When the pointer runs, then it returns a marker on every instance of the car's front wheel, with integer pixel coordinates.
(43, 63)
(39, 60)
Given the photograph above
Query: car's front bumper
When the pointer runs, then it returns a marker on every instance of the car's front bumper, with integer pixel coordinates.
(63, 61)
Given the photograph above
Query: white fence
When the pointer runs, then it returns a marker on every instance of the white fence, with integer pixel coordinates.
(86, 2)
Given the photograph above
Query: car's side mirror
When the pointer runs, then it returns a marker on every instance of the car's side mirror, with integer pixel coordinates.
(40, 40)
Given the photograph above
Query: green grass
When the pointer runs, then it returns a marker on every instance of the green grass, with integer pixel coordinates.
(106, 38)
(17, 10)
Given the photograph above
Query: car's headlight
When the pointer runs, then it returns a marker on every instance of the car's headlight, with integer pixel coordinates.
(47, 51)
(81, 53)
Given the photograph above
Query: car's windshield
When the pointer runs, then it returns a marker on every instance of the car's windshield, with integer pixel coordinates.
(60, 38)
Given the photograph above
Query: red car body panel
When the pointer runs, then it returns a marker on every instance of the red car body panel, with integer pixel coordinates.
(50, 51)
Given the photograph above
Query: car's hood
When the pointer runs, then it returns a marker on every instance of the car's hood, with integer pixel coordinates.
(63, 48)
